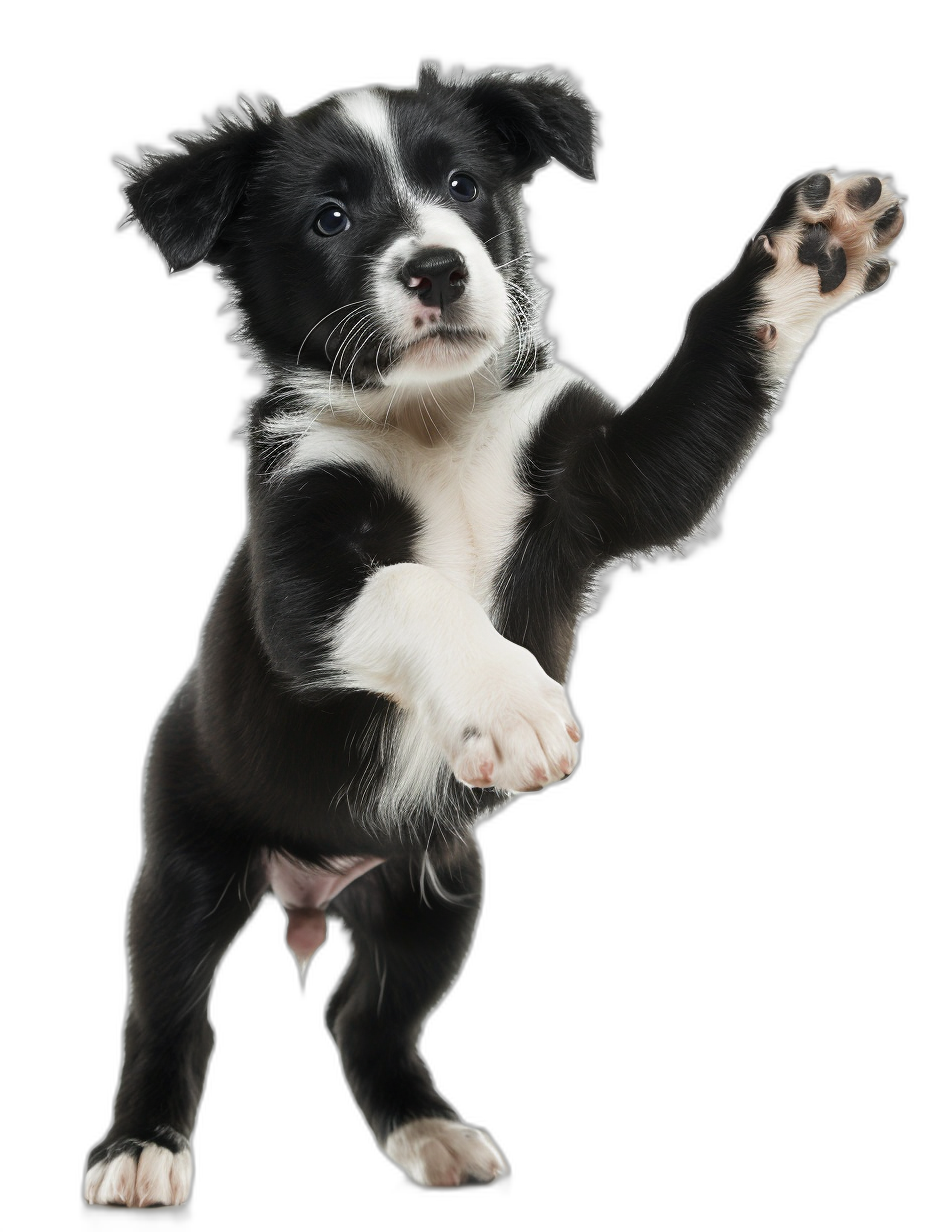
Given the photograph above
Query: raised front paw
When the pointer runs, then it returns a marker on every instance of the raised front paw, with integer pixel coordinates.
(824, 243)
(839, 229)
(507, 725)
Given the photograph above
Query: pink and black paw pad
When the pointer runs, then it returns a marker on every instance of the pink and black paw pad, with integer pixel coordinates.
(818, 247)
(839, 227)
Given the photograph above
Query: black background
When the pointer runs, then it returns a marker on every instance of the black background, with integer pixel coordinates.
(678, 967)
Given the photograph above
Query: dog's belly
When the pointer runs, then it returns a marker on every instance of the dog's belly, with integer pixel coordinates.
(305, 890)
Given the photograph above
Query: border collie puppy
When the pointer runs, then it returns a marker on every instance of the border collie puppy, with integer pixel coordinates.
(431, 499)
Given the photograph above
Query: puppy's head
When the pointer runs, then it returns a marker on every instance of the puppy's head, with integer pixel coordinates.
(375, 239)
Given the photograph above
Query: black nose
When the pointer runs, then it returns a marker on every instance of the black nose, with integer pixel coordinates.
(437, 275)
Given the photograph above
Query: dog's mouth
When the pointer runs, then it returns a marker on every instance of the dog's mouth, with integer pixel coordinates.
(439, 350)
(441, 346)
(447, 335)
(439, 353)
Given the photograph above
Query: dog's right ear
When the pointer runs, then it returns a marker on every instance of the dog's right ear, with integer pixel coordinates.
(183, 201)
(531, 117)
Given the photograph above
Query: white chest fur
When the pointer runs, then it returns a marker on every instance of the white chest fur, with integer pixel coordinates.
(461, 478)
(467, 495)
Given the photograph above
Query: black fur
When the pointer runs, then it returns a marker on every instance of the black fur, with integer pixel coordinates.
(264, 749)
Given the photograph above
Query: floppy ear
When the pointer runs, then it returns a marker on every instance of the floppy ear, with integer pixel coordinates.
(184, 200)
(535, 117)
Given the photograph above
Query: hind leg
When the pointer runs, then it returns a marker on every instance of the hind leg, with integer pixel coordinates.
(410, 938)
(187, 907)
(195, 890)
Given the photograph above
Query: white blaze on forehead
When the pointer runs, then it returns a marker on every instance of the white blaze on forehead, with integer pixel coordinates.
(443, 227)
(367, 111)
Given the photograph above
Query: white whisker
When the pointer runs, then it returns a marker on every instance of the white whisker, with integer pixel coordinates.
(521, 257)
(350, 304)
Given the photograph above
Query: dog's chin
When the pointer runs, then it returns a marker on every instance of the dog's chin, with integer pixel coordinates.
(440, 355)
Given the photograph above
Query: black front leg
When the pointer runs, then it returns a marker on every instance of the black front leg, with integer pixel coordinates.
(647, 477)
(608, 484)
(666, 460)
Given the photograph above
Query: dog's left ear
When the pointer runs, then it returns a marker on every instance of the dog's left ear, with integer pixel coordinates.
(534, 117)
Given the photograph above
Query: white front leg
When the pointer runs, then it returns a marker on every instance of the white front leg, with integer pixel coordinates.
(500, 720)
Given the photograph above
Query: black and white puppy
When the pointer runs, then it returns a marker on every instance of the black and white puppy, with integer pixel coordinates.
(431, 499)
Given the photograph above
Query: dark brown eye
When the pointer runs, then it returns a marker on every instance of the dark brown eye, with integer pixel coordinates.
(462, 187)
(331, 221)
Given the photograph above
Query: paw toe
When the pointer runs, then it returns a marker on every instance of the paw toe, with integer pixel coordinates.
(816, 190)
(889, 224)
(865, 193)
(877, 273)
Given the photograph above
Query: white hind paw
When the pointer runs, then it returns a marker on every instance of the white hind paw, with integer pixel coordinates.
(140, 1174)
(433, 1151)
